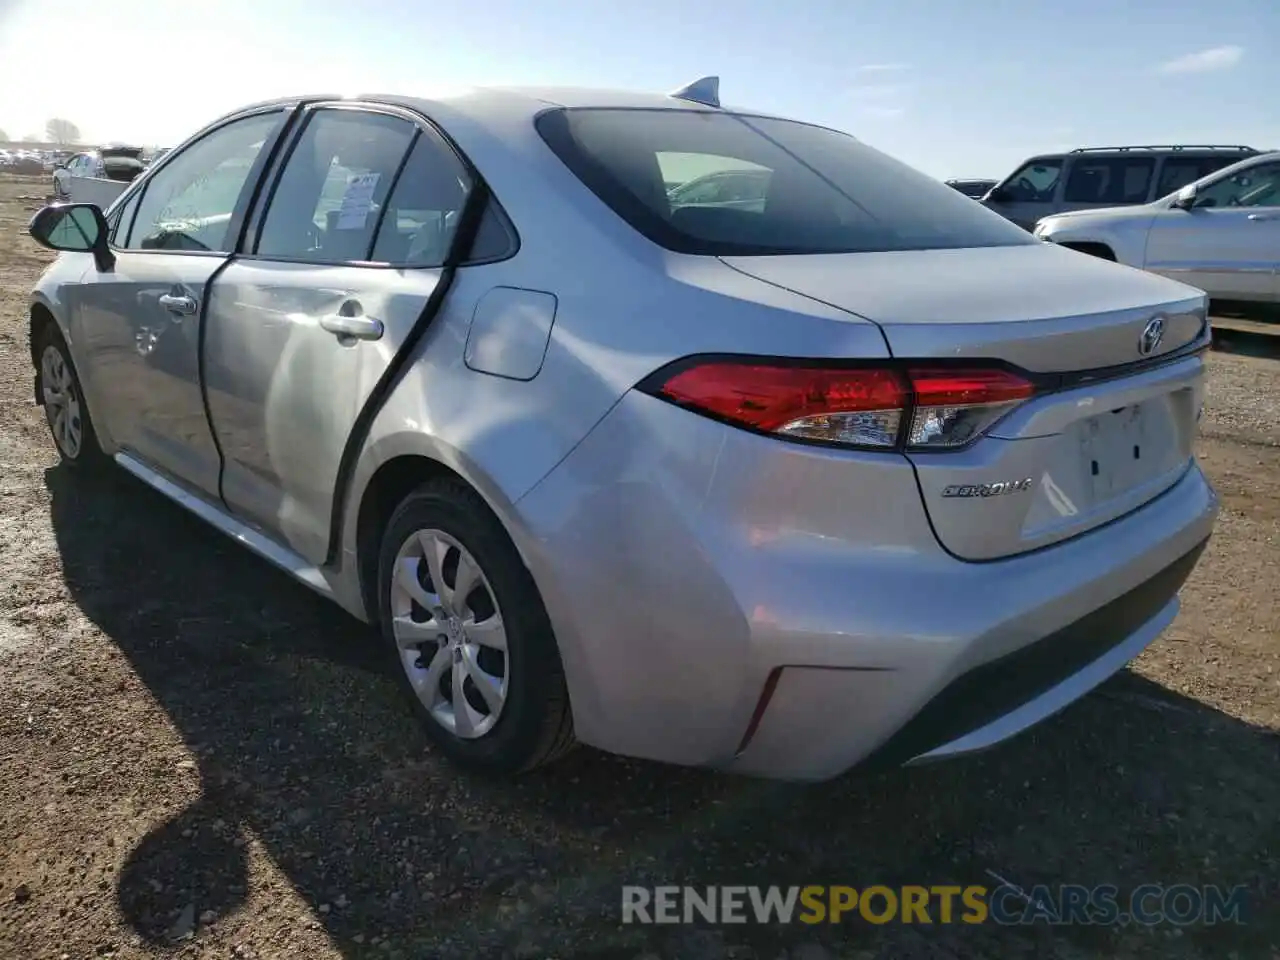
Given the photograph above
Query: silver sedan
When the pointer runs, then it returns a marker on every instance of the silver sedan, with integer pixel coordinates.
(855, 473)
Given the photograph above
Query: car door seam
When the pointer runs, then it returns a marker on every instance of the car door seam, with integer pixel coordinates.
(468, 227)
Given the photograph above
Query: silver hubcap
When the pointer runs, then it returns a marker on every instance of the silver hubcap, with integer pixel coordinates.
(450, 633)
(61, 404)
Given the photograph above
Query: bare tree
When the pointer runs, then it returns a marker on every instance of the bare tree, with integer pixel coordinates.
(4, 137)
(62, 132)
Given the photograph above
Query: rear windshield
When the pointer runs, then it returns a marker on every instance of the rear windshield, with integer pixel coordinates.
(721, 184)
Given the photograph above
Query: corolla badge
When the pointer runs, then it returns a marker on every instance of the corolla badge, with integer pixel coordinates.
(1001, 488)
(1152, 334)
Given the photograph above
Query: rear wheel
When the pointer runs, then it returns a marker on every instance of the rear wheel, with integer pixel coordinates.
(471, 642)
(65, 409)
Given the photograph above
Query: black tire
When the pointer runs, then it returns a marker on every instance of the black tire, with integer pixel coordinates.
(87, 456)
(535, 724)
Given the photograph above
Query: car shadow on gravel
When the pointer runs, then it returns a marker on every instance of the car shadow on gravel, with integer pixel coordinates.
(305, 754)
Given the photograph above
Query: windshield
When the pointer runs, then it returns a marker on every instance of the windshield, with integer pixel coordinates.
(796, 188)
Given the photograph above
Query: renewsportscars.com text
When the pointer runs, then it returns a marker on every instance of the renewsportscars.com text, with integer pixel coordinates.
(1065, 904)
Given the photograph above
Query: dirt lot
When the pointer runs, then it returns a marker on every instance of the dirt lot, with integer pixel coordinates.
(199, 758)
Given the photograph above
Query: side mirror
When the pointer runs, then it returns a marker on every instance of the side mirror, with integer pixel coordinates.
(74, 228)
(996, 195)
(1186, 198)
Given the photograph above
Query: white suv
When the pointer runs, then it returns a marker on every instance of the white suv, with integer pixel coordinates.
(1220, 233)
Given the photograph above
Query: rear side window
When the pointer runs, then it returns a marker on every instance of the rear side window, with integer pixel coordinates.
(422, 214)
(790, 188)
(327, 203)
(1180, 171)
(1110, 180)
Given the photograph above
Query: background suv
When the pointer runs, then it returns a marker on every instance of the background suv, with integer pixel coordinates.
(1092, 177)
(1221, 234)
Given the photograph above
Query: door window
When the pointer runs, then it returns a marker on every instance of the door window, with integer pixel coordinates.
(123, 220)
(330, 199)
(1110, 180)
(188, 205)
(1177, 172)
(1252, 187)
(1036, 182)
(730, 184)
(422, 214)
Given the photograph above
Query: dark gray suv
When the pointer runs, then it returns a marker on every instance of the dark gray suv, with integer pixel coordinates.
(1090, 177)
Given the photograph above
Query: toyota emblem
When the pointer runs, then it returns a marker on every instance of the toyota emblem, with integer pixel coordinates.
(1152, 334)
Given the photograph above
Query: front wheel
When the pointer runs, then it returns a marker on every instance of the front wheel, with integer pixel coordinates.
(65, 409)
(470, 639)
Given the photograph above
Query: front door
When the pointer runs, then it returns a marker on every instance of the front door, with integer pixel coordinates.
(1029, 193)
(302, 328)
(140, 323)
(1228, 244)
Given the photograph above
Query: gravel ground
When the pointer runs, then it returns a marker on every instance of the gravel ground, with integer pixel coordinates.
(200, 759)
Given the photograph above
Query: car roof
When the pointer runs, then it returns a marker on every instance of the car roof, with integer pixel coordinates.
(479, 101)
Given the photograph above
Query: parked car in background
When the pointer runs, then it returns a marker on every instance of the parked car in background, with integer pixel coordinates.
(778, 488)
(98, 176)
(1220, 233)
(735, 187)
(1093, 177)
(976, 189)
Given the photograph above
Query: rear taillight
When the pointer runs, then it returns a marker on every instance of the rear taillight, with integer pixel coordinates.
(953, 407)
(880, 406)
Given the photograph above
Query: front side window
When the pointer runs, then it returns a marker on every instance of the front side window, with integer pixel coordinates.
(122, 220)
(1109, 180)
(1035, 182)
(188, 204)
(1252, 187)
(820, 191)
(328, 203)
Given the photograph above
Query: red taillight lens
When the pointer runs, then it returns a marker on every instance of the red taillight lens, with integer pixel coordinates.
(856, 406)
(860, 407)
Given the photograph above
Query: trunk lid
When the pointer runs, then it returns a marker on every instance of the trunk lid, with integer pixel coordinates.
(1114, 422)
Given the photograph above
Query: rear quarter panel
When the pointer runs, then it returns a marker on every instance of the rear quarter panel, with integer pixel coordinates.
(624, 308)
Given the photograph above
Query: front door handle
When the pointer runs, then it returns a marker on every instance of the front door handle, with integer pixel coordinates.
(182, 305)
(352, 328)
(1259, 217)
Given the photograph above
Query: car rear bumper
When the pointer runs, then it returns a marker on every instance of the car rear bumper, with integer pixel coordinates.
(730, 600)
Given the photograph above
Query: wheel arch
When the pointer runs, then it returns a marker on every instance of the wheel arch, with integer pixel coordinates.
(402, 464)
(41, 319)
(1095, 248)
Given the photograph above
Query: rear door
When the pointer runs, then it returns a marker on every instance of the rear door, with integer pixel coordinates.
(140, 323)
(1228, 244)
(1107, 181)
(339, 270)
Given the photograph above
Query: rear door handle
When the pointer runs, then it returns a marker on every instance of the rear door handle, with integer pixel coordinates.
(354, 328)
(182, 305)
(1257, 217)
